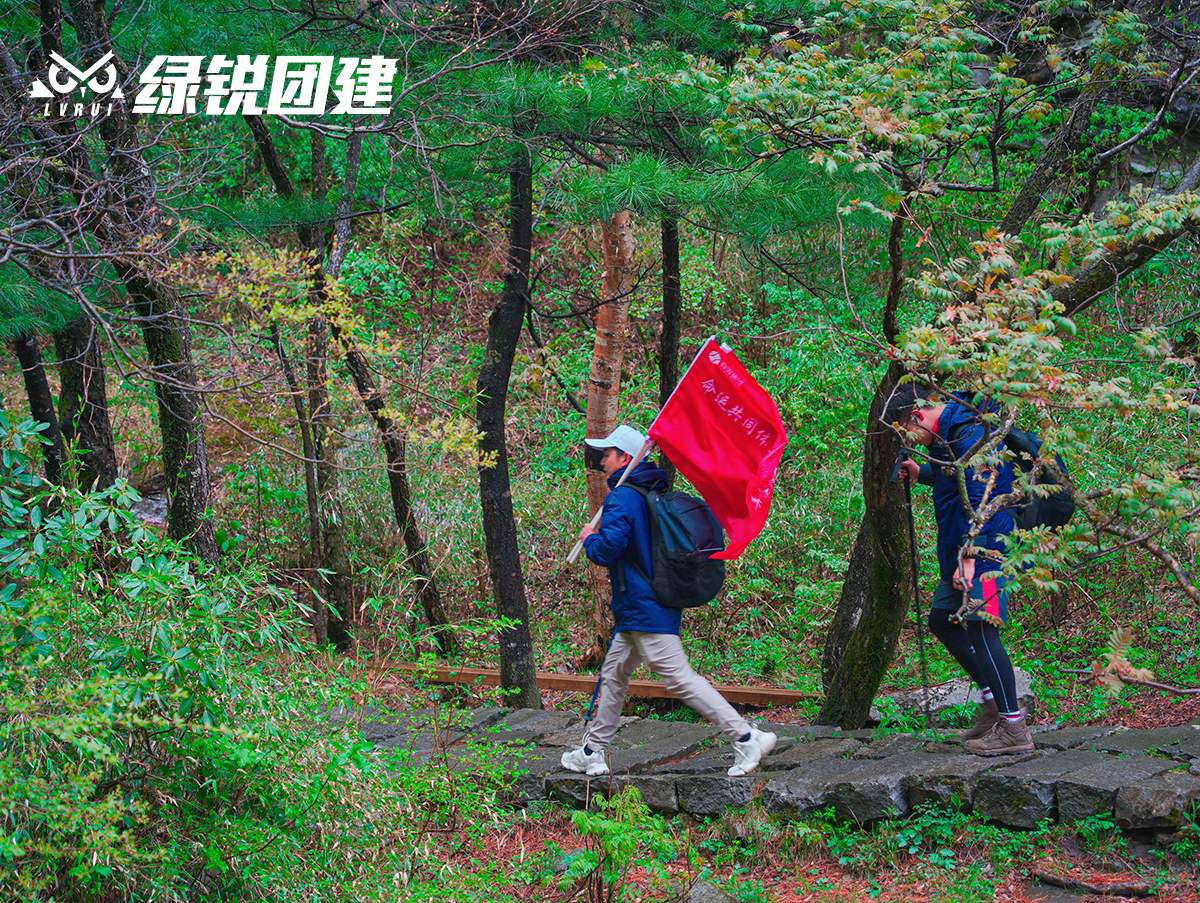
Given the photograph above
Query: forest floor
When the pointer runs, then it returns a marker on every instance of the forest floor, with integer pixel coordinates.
(761, 871)
(946, 857)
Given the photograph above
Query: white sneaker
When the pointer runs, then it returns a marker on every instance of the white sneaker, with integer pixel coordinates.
(594, 764)
(747, 755)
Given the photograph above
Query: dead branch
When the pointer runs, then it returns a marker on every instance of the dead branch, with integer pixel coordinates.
(1179, 691)
(1115, 889)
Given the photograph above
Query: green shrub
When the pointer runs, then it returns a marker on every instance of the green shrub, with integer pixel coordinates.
(162, 732)
(623, 828)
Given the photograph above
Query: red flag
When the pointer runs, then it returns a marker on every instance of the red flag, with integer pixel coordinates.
(724, 433)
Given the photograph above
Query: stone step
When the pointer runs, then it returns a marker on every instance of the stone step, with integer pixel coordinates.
(1140, 779)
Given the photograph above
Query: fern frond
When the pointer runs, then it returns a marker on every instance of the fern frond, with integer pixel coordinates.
(1120, 641)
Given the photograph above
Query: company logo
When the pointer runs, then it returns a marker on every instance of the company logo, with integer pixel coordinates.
(714, 357)
(100, 78)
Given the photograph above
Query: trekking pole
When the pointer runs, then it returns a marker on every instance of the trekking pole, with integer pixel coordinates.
(587, 719)
(595, 694)
(912, 549)
(637, 459)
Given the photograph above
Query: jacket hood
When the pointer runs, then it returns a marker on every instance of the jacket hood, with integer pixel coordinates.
(647, 475)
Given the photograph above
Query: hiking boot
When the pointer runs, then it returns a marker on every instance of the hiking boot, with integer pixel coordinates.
(580, 760)
(1006, 738)
(986, 716)
(747, 755)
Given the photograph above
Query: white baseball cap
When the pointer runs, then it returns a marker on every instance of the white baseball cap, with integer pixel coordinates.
(625, 438)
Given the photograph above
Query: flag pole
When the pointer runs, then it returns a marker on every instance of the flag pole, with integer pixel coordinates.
(637, 459)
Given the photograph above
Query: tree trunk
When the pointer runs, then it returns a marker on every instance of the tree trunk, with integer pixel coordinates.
(334, 603)
(41, 405)
(875, 597)
(311, 495)
(83, 404)
(604, 389)
(612, 326)
(862, 639)
(1092, 280)
(672, 300)
(518, 675)
(331, 581)
(372, 397)
(134, 215)
(1050, 164)
(375, 401)
(185, 453)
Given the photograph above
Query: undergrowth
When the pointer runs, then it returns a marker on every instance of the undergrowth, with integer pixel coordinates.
(167, 732)
(934, 853)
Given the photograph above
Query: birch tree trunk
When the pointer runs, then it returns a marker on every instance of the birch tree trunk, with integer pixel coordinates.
(604, 387)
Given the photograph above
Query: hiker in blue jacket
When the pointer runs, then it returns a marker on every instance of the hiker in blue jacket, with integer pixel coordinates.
(949, 427)
(645, 631)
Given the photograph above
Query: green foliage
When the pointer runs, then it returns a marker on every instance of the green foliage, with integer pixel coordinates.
(1100, 835)
(739, 837)
(903, 86)
(270, 503)
(163, 735)
(375, 282)
(120, 668)
(26, 307)
(1187, 843)
(948, 843)
(619, 834)
(895, 721)
(163, 717)
(1007, 342)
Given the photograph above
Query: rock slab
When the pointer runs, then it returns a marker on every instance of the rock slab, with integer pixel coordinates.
(1143, 780)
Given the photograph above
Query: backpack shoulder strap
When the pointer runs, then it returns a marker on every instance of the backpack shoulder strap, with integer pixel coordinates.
(1023, 444)
(631, 560)
(957, 431)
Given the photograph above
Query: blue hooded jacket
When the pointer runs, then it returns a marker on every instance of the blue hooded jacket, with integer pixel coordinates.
(625, 532)
(963, 424)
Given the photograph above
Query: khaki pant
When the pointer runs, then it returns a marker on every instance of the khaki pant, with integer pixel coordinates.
(663, 652)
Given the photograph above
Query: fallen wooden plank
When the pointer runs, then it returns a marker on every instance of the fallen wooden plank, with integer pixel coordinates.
(582, 683)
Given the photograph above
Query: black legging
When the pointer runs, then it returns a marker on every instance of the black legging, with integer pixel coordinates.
(976, 646)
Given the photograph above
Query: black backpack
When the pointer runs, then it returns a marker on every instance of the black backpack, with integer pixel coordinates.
(1057, 508)
(683, 534)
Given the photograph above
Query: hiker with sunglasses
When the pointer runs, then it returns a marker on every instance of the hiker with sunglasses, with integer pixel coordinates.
(949, 427)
